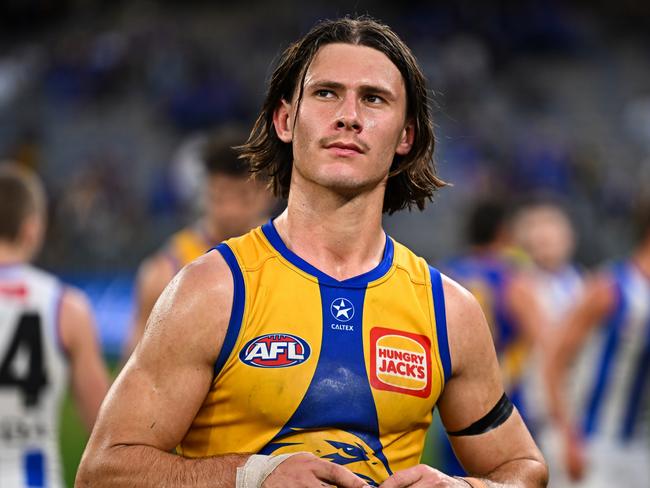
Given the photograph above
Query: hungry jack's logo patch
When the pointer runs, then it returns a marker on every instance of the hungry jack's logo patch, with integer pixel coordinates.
(400, 362)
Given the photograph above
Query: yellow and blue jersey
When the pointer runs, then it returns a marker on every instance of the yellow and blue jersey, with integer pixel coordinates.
(186, 245)
(487, 276)
(348, 370)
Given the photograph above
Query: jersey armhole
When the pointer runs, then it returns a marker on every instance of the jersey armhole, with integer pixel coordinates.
(237, 311)
(441, 321)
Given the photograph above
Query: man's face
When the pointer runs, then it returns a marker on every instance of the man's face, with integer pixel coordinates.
(351, 121)
(548, 236)
(235, 204)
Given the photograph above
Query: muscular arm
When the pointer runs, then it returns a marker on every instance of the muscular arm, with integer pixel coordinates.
(154, 399)
(597, 301)
(153, 276)
(506, 455)
(88, 375)
(152, 403)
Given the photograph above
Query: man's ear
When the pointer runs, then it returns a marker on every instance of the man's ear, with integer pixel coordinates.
(282, 121)
(406, 139)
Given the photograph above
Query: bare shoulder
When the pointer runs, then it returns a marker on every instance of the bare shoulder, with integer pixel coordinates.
(521, 298)
(194, 309)
(202, 281)
(155, 272)
(75, 316)
(600, 285)
(467, 328)
(599, 294)
(74, 302)
(522, 282)
(164, 383)
(458, 300)
(475, 383)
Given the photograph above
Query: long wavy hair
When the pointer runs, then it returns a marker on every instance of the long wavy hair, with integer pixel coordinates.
(412, 179)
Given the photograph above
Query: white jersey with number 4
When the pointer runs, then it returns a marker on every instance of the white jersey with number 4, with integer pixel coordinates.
(33, 377)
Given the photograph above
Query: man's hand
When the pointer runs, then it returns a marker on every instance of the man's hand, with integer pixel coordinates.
(422, 476)
(306, 470)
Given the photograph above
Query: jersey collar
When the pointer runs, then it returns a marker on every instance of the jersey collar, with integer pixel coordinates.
(360, 281)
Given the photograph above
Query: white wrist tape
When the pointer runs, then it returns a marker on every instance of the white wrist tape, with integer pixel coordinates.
(257, 468)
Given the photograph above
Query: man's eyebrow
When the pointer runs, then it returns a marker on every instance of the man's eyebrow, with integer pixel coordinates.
(335, 85)
(378, 90)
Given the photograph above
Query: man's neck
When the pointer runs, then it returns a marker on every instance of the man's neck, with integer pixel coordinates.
(208, 230)
(342, 238)
(495, 248)
(10, 254)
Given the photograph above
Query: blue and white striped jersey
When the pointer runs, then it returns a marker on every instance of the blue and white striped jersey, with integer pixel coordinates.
(617, 404)
(33, 378)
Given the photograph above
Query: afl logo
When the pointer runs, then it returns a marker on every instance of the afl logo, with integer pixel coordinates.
(342, 309)
(275, 351)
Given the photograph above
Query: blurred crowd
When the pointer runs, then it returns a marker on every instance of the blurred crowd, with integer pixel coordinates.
(111, 104)
(104, 101)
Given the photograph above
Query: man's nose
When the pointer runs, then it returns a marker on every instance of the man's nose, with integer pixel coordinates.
(347, 116)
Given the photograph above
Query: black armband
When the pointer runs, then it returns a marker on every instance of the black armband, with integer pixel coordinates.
(495, 417)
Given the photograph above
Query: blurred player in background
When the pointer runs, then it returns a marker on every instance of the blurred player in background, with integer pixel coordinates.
(606, 443)
(494, 270)
(313, 349)
(232, 204)
(544, 231)
(47, 336)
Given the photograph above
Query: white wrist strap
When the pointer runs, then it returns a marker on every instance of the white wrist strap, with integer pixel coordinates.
(257, 468)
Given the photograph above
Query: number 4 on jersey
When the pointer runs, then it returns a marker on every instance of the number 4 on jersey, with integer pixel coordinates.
(32, 381)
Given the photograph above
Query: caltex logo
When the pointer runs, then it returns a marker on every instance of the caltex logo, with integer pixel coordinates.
(342, 309)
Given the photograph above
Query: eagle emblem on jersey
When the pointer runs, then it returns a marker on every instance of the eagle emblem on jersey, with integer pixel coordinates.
(338, 446)
(400, 362)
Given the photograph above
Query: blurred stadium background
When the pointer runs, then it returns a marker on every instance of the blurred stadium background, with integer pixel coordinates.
(105, 99)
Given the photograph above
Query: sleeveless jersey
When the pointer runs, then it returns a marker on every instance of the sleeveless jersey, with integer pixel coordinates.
(618, 404)
(185, 246)
(33, 377)
(557, 292)
(348, 370)
(487, 277)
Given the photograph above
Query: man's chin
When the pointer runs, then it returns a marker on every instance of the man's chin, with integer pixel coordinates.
(351, 186)
(351, 191)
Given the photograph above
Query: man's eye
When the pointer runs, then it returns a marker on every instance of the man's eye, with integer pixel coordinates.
(374, 99)
(324, 93)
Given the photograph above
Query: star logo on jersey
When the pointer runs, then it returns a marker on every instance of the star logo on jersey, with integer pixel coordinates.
(342, 309)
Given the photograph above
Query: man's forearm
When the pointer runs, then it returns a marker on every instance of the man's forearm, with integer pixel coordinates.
(144, 466)
(518, 473)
